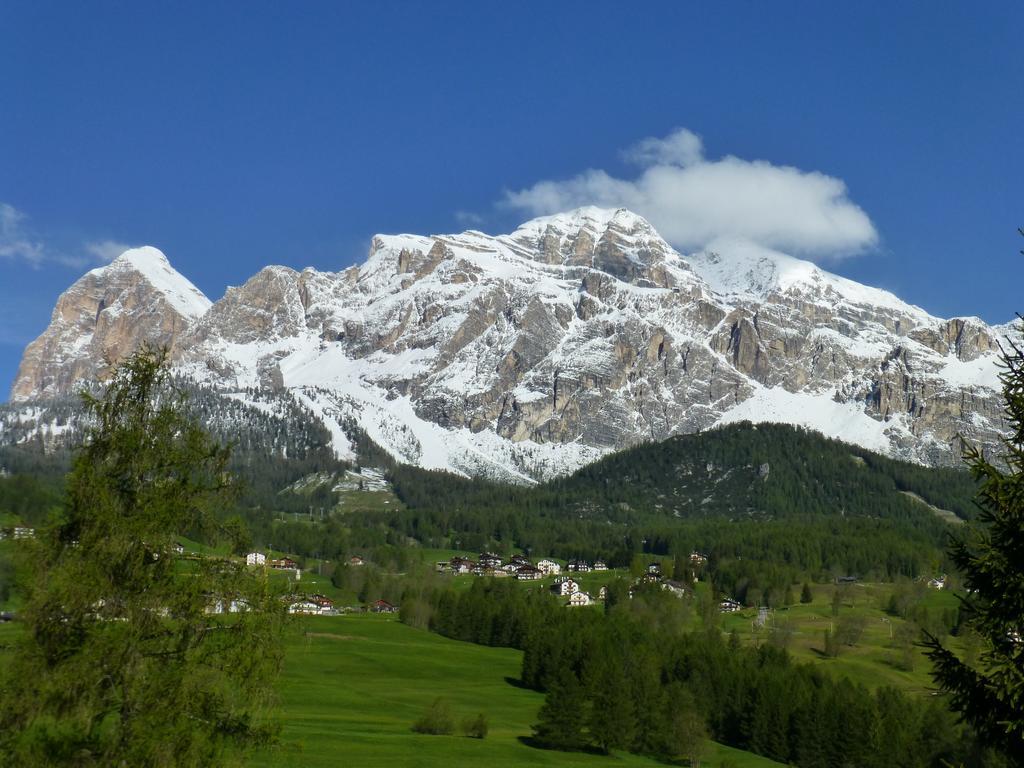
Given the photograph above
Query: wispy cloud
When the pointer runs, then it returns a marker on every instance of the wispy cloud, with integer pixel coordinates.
(19, 243)
(105, 251)
(468, 219)
(692, 200)
(15, 244)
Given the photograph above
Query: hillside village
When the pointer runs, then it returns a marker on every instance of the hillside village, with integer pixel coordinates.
(562, 580)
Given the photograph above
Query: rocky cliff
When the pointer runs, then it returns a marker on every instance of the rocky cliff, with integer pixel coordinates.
(526, 355)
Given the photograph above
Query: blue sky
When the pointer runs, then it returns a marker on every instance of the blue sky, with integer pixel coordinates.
(233, 135)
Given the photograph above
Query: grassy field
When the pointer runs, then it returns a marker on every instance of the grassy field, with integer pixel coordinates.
(875, 659)
(353, 685)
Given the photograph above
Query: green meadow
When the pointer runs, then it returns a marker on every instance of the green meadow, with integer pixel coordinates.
(353, 686)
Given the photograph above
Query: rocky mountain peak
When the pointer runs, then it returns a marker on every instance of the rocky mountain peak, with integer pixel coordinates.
(527, 354)
(104, 316)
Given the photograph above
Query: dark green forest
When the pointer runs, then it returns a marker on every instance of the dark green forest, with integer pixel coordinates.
(768, 504)
(633, 678)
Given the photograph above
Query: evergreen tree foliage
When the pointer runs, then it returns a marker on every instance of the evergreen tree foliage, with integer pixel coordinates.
(122, 662)
(563, 716)
(990, 693)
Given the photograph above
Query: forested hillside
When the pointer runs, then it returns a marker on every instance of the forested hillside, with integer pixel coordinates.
(774, 500)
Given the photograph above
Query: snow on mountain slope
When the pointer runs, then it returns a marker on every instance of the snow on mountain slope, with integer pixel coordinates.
(151, 264)
(106, 315)
(526, 355)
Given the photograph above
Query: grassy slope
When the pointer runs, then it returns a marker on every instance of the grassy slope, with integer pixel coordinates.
(353, 686)
(871, 660)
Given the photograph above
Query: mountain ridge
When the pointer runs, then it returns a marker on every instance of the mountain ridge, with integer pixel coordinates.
(524, 356)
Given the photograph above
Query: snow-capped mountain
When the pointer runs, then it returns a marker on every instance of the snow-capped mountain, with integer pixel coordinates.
(526, 355)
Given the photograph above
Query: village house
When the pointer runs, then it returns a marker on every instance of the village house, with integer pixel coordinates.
(520, 559)
(255, 558)
(284, 564)
(677, 588)
(325, 603)
(461, 565)
(528, 573)
(654, 569)
(179, 548)
(728, 605)
(219, 605)
(698, 559)
(939, 582)
(565, 587)
(602, 593)
(489, 561)
(600, 565)
(578, 599)
(356, 560)
(304, 606)
(579, 566)
(383, 606)
(549, 567)
(22, 532)
(510, 568)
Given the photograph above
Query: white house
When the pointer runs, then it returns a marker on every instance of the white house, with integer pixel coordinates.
(549, 567)
(600, 565)
(255, 558)
(566, 587)
(938, 582)
(677, 588)
(304, 606)
(729, 606)
(578, 599)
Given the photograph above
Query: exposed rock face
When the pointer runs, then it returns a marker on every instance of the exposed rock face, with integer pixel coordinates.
(528, 354)
(103, 317)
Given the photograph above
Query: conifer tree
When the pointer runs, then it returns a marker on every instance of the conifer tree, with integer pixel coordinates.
(561, 720)
(123, 662)
(990, 693)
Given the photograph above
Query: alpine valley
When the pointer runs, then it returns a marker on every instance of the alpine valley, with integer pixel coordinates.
(525, 356)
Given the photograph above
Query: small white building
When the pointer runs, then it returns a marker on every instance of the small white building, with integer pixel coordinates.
(566, 587)
(549, 567)
(939, 582)
(729, 605)
(578, 600)
(600, 565)
(307, 607)
(21, 532)
(255, 558)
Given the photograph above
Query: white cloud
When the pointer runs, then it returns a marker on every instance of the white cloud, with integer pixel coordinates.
(18, 243)
(15, 244)
(105, 251)
(692, 200)
(681, 147)
(468, 219)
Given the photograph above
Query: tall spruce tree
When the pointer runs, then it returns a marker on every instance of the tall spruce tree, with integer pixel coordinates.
(563, 716)
(989, 694)
(125, 660)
